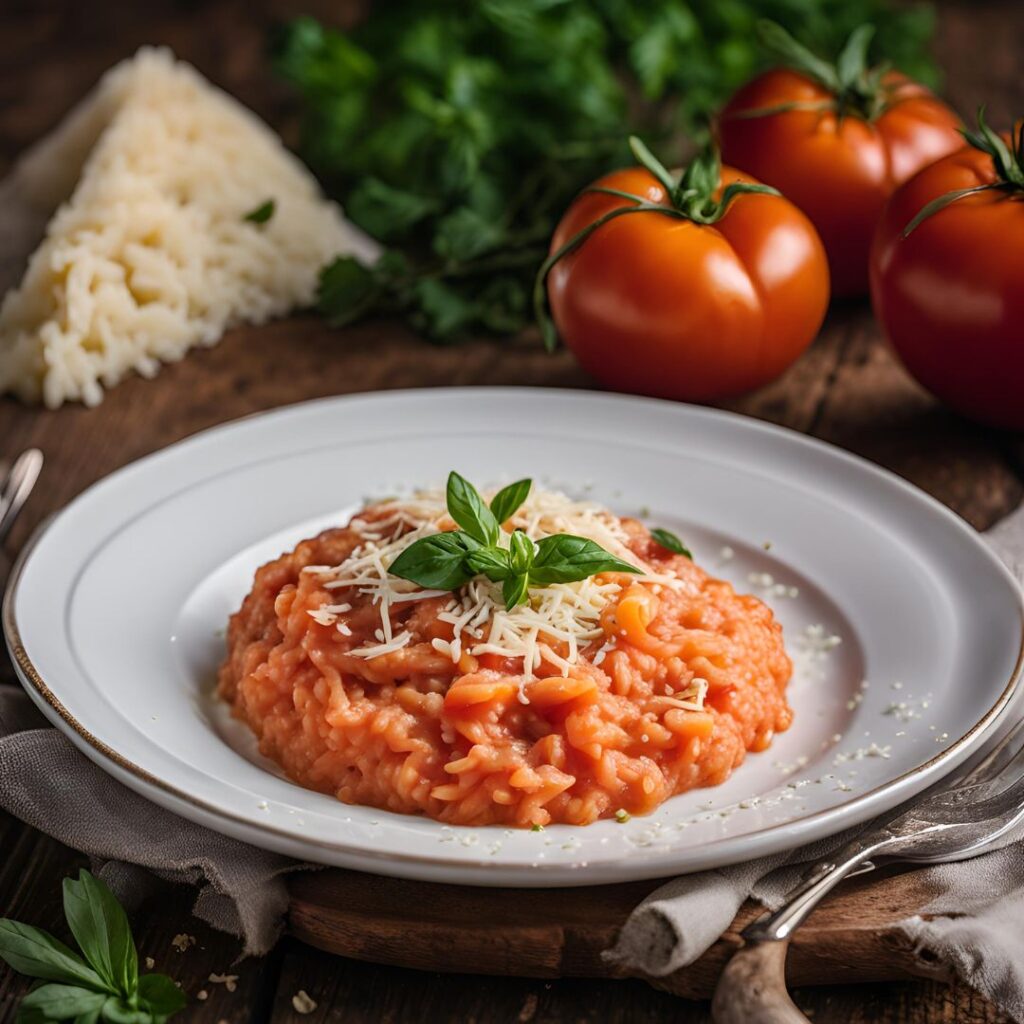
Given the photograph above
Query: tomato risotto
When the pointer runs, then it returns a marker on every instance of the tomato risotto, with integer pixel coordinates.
(587, 699)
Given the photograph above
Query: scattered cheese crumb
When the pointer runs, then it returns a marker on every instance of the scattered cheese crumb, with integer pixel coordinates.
(150, 963)
(302, 1002)
(182, 942)
(202, 995)
(229, 981)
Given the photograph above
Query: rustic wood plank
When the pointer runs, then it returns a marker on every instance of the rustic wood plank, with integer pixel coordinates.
(164, 917)
(345, 991)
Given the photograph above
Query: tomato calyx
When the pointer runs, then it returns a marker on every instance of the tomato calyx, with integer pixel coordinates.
(1008, 161)
(857, 89)
(690, 194)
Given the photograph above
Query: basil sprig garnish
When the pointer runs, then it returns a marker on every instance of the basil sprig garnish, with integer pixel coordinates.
(447, 561)
(100, 984)
(668, 540)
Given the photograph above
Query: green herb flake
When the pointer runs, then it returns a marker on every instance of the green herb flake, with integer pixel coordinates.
(262, 213)
(670, 542)
(536, 828)
(622, 816)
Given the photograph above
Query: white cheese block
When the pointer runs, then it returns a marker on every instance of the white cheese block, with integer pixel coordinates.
(140, 197)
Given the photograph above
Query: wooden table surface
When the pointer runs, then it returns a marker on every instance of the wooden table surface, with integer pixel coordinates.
(847, 389)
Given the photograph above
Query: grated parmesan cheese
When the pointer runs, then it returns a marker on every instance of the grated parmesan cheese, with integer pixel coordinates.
(566, 613)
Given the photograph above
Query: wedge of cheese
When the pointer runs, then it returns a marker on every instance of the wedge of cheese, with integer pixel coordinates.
(141, 199)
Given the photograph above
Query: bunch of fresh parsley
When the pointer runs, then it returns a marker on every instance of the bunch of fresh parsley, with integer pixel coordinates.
(101, 984)
(447, 561)
(458, 132)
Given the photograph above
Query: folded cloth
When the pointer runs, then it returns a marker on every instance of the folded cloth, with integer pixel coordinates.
(47, 783)
(979, 906)
(973, 921)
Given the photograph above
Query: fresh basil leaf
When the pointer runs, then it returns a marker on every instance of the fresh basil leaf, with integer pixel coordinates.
(89, 1017)
(117, 1011)
(515, 590)
(492, 562)
(521, 552)
(60, 1002)
(160, 995)
(262, 213)
(36, 953)
(506, 502)
(467, 508)
(436, 563)
(670, 542)
(100, 926)
(564, 558)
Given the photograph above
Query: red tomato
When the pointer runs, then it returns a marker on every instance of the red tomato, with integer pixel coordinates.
(839, 171)
(677, 309)
(950, 295)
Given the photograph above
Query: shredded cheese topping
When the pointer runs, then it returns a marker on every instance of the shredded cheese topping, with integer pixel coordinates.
(481, 624)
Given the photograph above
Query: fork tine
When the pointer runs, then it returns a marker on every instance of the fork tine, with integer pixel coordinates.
(1002, 803)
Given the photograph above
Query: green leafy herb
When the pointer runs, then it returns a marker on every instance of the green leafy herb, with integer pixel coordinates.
(670, 542)
(468, 510)
(515, 590)
(437, 563)
(564, 558)
(508, 499)
(102, 984)
(1008, 161)
(458, 134)
(494, 563)
(446, 561)
(262, 213)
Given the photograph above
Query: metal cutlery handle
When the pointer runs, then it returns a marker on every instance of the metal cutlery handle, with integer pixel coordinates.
(752, 988)
(17, 487)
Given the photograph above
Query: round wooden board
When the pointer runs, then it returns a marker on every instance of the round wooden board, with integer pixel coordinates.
(550, 933)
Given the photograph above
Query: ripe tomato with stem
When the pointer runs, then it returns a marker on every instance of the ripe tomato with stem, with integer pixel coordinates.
(695, 286)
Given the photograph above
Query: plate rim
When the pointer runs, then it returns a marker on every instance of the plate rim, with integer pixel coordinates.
(858, 809)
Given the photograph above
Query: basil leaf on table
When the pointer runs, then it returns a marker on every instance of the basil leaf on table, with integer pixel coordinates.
(52, 1002)
(160, 995)
(436, 563)
(467, 508)
(34, 952)
(670, 542)
(506, 502)
(564, 558)
(101, 929)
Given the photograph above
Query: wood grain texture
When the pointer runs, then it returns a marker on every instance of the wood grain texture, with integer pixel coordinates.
(847, 389)
(553, 933)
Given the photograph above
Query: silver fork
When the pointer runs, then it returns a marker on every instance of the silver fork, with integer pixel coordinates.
(956, 820)
(16, 486)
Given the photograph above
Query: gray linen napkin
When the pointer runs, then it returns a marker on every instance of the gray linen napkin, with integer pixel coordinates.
(47, 783)
(973, 922)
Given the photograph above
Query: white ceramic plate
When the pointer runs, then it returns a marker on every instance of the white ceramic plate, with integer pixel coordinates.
(115, 618)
